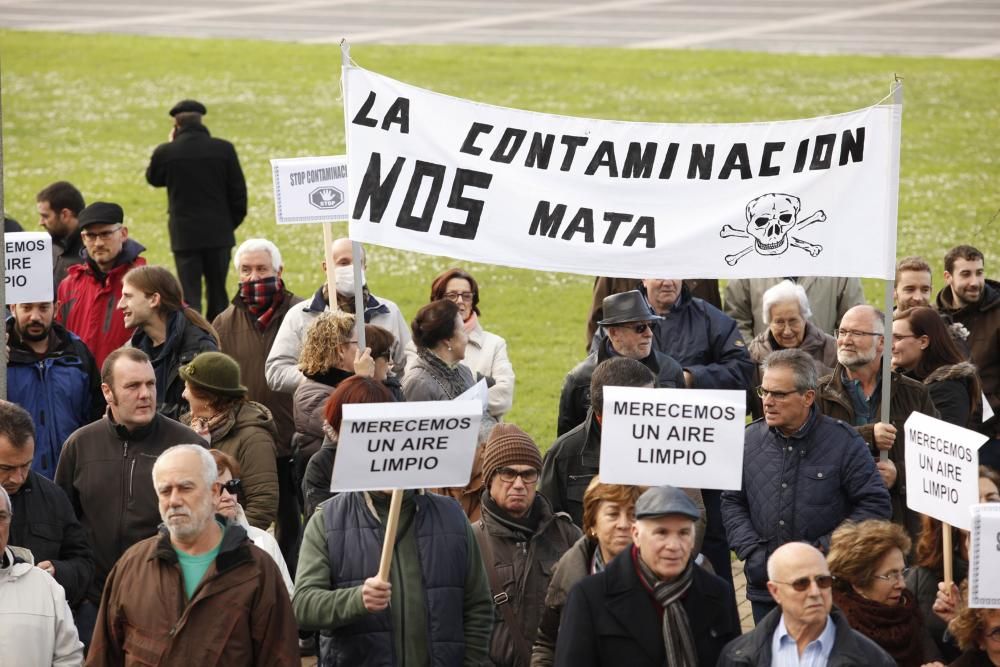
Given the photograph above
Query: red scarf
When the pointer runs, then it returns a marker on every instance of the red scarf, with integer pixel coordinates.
(262, 298)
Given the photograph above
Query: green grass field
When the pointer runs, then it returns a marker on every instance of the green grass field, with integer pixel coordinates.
(90, 109)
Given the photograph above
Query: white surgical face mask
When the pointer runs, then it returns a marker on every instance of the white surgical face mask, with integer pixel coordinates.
(344, 278)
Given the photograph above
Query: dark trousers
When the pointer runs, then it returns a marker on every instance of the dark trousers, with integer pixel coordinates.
(289, 522)
(761, 609)
(213, 263)
(715, 547)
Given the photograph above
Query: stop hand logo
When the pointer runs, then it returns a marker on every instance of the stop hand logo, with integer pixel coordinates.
(327, 197)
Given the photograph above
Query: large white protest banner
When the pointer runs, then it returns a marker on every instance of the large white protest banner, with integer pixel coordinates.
(310, 189)
(683, 437)
(406, 445)
(984, 556)
(942, 469)
(447, 176)
(28, 267)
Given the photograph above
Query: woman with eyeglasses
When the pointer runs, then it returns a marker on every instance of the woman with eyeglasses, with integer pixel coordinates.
(229, 506)
(867, 562)
(244, 429)
(924, 349)
(977, 631)
(485, 352)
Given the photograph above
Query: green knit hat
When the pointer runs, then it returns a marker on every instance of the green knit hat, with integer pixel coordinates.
(215, 372)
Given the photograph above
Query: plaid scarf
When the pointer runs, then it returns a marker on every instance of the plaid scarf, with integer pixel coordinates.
(677, 638)
(262, 298)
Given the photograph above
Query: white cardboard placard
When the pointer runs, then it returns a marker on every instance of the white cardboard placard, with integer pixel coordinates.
(984, 557)
(942, 461)
(28, 267)
(682, 437)
(406, 445)
(310, 189)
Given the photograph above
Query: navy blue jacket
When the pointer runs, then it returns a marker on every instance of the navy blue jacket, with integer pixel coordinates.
(61, 391)
(799, 488)
(704, 340)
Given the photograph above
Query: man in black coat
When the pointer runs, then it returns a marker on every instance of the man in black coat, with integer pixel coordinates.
(652, 605)
(207, 197)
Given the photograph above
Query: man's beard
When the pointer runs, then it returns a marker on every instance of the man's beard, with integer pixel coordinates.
(196, 520)
(858, 359)
(34, 337)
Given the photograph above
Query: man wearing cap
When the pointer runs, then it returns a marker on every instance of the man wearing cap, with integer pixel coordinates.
(628, 321)
(805, 629)
(207, 197)
(59, 208)
(521, 540)
(90, 291)
(652, 605)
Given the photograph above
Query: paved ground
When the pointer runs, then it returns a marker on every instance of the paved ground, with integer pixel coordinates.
(955, 28)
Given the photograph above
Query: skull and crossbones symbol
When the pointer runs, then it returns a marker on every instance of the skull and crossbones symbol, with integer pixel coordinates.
(770, 220)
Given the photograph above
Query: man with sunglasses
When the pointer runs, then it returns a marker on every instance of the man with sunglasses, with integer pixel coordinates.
(805, 629)
(803, 474)
(853, 394)
(521, 539)
(628, 322)
(88, 294)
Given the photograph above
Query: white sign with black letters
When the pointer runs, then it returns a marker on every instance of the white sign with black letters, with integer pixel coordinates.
(984, 557)
(682, 437)
(942, 476)
(310, 189)
(406, 445)
(27, 274)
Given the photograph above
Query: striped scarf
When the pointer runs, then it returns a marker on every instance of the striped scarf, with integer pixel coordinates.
(262, 298)
(677, 638)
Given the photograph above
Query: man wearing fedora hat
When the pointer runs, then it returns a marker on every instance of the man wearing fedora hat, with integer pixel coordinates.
(207, 200)
(652, 605)
(628, 321)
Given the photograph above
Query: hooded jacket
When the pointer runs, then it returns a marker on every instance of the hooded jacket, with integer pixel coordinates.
(240, 613)
(66, 252)
(184, 342)
(61, 390)
(982, 319)
(37, 627)
(107, 472)
(248, 434)
(954, 390)
(88, 298)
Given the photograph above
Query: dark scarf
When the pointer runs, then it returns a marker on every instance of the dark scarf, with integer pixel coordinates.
(263, 298)
(449, 377)
(526, 526)
(677, 638)
(331, 377)
(896, 628)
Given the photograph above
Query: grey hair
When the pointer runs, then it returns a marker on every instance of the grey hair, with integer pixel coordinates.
(801, 364)
(253, 245)
(209, 469)
(6, 499)
(785, 291)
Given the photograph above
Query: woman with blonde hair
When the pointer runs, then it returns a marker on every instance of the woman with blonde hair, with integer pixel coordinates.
(867, 560)
(977, 632)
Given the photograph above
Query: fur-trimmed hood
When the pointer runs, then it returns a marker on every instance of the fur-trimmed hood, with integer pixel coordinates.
(964, 371)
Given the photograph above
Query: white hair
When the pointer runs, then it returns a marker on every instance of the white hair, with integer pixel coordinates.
(783, 292)
(253, 245)
(6, 499)
(209, 470)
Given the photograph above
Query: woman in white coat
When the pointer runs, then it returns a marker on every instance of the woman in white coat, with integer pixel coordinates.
(486, 353)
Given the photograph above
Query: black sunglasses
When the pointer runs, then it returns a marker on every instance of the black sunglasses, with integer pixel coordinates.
(232, 487)
(802, 583)
(639, 327)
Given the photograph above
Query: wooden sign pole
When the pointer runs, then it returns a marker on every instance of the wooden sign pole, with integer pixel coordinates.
(391, 523)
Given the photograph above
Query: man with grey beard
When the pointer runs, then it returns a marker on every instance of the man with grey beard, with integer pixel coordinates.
(853, 394)
(195, 573)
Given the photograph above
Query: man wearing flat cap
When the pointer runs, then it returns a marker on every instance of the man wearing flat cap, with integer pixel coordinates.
(628, 321)
(89, 292)
(652, 605)
(207, 201)
(521, 540)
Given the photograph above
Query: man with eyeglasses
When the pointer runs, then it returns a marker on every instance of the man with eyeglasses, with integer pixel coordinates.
(853, 394)
(803, 474)
(282, 369)
(521, 538)
(805, 629)
(628, 322)
(88, 294)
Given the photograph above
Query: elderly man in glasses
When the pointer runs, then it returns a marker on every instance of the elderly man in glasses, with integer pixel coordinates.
(853, 394)
(521, 539)
(803, 474)
(805, 629)
(628, 322)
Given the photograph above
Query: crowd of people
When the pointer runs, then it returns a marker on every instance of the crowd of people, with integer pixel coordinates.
(166, 476)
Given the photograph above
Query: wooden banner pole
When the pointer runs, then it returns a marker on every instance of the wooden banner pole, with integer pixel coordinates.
(391, 523)
(948, 553)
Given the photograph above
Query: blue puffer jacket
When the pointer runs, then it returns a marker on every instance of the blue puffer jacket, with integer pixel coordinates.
(61, 391)
(799, 488)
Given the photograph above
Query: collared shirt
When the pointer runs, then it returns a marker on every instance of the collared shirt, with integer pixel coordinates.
(785, 651)
(864, 406)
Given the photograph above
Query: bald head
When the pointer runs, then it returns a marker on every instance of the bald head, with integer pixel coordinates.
(793, 555)
(799, 581)
(342, 250)
(868, 316)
